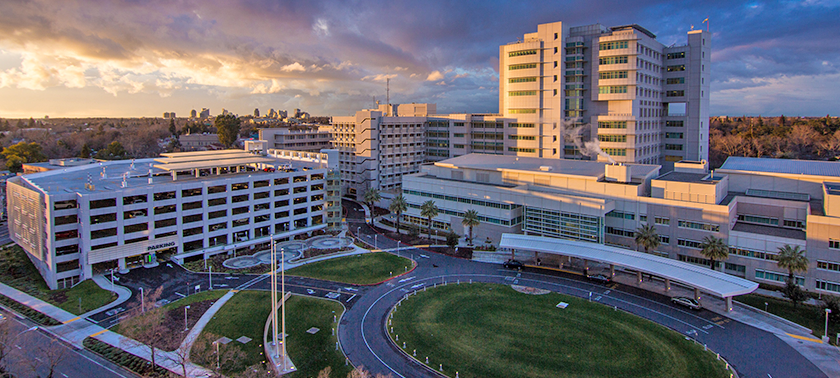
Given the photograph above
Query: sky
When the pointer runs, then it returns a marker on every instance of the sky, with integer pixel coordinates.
(135, 58)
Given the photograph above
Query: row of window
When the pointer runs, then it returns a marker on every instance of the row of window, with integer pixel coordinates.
(521, 125)
(522, 93)
(612, 75)
(675, 80)
(698, 226)
(522, 53)
(779, 277)
(689, 243)
(621, 215)
(673, 123)
(522, 111)
(674, 135)
(613, 45)
(616, 151)
(615, 89)
(514, 80)
(495, 205)
(758, 219)
(612, 124)
(619, 232)
(753, 254)
(675, 93)
(522, 137)
(481, 218)
(522, 149)
(676, 55)
(674, 147)
(522, 66)
(612, 60)
(612, 138)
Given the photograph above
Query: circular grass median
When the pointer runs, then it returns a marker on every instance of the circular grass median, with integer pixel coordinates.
(486, 330)
(363, 269)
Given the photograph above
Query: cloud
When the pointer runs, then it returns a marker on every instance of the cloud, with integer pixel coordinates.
(434, 76)
(293, 67)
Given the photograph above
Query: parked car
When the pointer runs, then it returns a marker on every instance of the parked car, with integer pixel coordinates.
(687, 302)
(513, 264)
(599, 278)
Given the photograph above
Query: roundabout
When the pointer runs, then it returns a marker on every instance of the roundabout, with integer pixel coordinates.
(492, 330)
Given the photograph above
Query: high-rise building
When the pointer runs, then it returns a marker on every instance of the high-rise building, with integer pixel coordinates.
(205, 113)
(617, 87)
(192, 113)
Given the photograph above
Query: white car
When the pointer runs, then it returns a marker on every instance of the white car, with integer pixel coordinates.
(687, 302)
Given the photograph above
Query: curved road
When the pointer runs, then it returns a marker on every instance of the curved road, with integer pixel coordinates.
(753, 352)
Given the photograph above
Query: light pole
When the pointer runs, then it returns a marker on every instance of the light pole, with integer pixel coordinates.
(283, 291)
(211, 277)
(765, 306)
(359, 231)
(142, 301)
(375, 241)
(827, 311)
(217, 354)
(185, 318)
(398, 246)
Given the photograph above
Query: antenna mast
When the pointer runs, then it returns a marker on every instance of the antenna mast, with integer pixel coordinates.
(388, 91)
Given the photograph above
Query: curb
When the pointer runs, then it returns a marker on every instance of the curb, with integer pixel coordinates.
(776, 317)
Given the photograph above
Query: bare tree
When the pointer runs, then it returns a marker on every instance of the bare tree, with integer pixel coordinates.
(146, 329)
(6, 340)
(360, 372)
(46, 356)
(257, 371)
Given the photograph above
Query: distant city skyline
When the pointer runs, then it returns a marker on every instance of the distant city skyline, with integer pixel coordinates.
(97, 58)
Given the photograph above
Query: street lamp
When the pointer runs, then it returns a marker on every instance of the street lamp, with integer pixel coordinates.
(375, 241)
(185, 318)
(827, 311)
(359, 231)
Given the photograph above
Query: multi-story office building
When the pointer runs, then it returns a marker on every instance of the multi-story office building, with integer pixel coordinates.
(300, 137)
(75, 221)
(755, 205)
(642, 101)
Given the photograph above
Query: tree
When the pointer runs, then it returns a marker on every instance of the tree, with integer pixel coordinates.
(398, 205)
(32, 123)
(114, 151)
(470, 220)
(714, 249)
(793, 260)
(257, 113)
(647, 237)
(795, 293)
(7, 339)
(832, 303)
(204, 353)
(227, 126)
(429, 210)
(372, 196)
(146, 328)
(21, 153)
(452, 239)
(172, 129)
(46, 356)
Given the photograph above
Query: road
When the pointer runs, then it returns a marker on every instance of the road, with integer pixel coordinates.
(33, 350)
(753, 352)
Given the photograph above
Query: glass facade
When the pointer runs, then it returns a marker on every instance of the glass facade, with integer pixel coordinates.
(551, 223)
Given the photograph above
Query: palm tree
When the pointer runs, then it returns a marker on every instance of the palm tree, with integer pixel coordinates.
(429, 210)
(647, 237)
(398, 205)
(470, 220)
(793, 259)
(372, 196)
(714, 249)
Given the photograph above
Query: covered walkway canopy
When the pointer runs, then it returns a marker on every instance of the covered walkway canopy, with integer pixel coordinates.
(698, 277)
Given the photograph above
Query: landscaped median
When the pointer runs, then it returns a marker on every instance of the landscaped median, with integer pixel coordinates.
(18, 272)
(808, 316)
(362, 269)
(245, 315)
(488, 330)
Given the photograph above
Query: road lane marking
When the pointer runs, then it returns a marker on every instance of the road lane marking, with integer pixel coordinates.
(804, 338)
(73, 320)
(99, 333)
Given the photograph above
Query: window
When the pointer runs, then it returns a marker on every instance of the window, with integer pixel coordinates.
(217, 201)
(689, 243)
(135, 228)
(676, 55)
(165, 223)
(520, 80)
(613, 60)
(522, 66)
(164, 196)
(522, 93)
(522, 53)
(281, 181)
(241, 198)
(194, 245)
(678, 93)
(260, 184)
(828, 265)
(281, 192)
(300, 189)
(262, 206)
(794, 224)
(191, 192)
(191, 205)
(612, 138)
(674, 135)
(524, 125)
(166, 234)
(828, 286)
(677, 68)
(613, 45)
(261, 195)
(67, 266)
(67, 219)
(779, 277)
(698, 226)
(64, 235)
(216, 189)
(193, 218)
(758, 219)
(101, 246)
(833, 244)
(673, 123)
(242, 222)
(103, 218)
(662, 221)
(239, 210)
(217, 226)
(612, 89)
(98, 204)
(164, 209)
(521, 137)
(612, 75)
(522, 111)
(616, 151)
(193, 231)
(69, 204)
(612, 124)
(520, 149)
(98, 234)
(754, 254)
(674, 147)
(621, 215)
(664, 239)
(67, 250)
(135, 199)
(217, 214)
(239, 186)
(619, 232)
(675, 80)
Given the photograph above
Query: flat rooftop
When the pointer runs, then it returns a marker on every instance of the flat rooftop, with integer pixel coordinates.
(769, 230)
(109, 175)
(694, 178)
(795, 167)
(583, 168)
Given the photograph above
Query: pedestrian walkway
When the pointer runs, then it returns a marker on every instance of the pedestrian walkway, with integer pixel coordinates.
(202, 322)
(123, 294)
(75, 329)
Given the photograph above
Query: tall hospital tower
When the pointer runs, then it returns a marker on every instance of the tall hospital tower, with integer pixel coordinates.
(642, 101)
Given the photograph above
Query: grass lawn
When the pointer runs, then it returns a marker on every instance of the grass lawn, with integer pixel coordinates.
(806, 315)
(245, 315)
(364, 269)
(18, 272)
(483, 330)
(201, 296)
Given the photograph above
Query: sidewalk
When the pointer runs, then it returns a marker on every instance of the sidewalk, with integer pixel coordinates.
(202, 322)
(123, 294)
(826, 357)
(75, 329)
